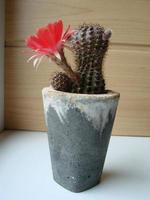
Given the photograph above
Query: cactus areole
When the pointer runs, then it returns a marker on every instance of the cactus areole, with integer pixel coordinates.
(79, 111)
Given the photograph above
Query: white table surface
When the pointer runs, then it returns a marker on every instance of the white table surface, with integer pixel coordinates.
(25, 170)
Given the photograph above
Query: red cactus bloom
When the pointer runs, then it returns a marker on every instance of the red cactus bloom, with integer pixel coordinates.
(48, 41)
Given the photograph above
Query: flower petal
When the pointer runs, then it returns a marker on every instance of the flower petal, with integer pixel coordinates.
(32, 57)
(35, 62)
(33, 42)
(58, 31)
(39, 61)
(67, 33)
(58, 56)
(46, 37)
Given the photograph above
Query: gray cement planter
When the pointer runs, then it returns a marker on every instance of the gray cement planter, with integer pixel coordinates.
(79, 129)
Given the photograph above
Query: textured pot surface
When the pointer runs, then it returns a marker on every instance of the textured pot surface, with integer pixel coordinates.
(79, 129)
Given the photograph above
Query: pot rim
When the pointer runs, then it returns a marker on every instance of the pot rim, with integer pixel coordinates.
(109, 95)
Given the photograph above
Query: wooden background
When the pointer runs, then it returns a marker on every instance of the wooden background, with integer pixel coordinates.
(127, 65)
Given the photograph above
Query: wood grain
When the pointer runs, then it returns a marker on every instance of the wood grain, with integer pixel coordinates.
(126, 69)
(129, 20)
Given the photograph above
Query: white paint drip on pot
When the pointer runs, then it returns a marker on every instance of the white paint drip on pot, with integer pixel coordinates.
(98, 113)
(59, 106)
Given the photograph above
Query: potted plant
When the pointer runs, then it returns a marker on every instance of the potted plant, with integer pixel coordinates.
(79, 111)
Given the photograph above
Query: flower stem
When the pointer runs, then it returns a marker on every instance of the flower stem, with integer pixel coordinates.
(65, 66)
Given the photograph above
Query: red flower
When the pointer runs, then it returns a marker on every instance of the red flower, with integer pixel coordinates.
(48, 41)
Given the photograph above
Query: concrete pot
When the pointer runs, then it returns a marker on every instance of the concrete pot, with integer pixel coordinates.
(79, 129)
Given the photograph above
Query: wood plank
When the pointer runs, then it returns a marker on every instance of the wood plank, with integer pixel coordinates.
(129, 20)
(126, 70)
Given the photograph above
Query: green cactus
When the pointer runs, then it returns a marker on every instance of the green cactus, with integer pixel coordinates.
(89, 44)
(61, 82)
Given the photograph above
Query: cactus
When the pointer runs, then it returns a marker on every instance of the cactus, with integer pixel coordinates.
(90, 43)
(61, 82)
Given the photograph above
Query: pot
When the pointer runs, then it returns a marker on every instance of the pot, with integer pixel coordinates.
(79, 130)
